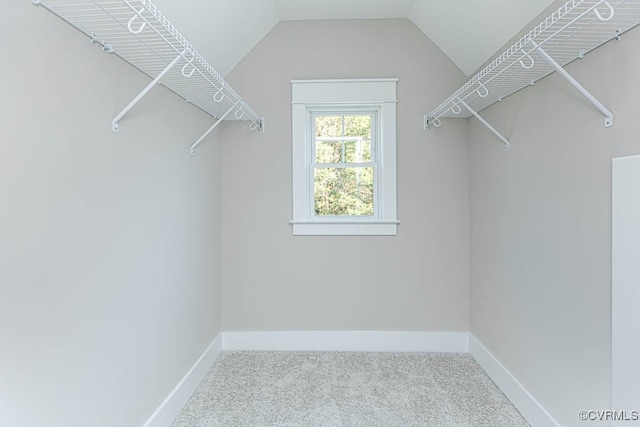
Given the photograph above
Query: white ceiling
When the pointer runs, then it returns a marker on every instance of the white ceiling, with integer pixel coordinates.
(293, 10)
(468, 31)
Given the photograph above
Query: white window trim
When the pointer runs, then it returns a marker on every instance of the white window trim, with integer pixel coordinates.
(309, 95)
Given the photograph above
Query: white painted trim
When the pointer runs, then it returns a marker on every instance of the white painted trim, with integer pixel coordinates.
(370, 341)
(309, 96)
(170, 408)
(318, 228)
(524, 401)
(391, 79)
(328, 221)
(344, 91)
(625, 293)
(373, 341)
(372, 102)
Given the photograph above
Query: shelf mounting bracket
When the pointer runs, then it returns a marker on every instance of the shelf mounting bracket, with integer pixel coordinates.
(215, 125)
(116, 119)
(484, 122)
(608, 115)
(431, 121)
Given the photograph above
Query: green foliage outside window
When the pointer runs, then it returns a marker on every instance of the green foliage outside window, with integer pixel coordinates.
(343, 174)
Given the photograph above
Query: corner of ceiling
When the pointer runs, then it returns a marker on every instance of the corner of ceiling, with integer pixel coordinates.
(421, 17)
(276, 9)
(470, 33)
(256, 24)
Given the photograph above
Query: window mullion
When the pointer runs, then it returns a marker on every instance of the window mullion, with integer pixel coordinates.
(343, 128)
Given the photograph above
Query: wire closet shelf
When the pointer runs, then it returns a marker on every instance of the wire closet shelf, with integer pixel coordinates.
(139, 33)
(571, 32)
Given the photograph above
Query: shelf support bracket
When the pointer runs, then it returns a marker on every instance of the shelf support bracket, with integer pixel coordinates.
(484, 122)
(215, 125)
(608, 115)
(116, 119)
(431, 121)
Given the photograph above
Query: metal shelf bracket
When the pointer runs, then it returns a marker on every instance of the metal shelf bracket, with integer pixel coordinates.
(106, 47)
(484, 122)
(215, 125)
(608, 115)
(431, 121)
(435, 121)
(116, 119)
(257, 125)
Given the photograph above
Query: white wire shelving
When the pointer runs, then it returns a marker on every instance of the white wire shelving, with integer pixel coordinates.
(139, 33)
(570, 33)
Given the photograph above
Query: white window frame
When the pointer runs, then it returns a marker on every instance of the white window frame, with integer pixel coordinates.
(310, 97)
(375, 113)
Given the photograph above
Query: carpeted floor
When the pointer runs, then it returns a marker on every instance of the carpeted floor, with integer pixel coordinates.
(347, 389)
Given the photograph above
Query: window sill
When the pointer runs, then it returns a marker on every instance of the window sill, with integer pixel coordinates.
(344, 228)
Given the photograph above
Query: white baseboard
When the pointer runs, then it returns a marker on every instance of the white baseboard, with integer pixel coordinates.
(524, 401)
(384, 341)
(374, 341)
(175, 401)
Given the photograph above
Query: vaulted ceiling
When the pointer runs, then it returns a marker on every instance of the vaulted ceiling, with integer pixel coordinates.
(468, 31)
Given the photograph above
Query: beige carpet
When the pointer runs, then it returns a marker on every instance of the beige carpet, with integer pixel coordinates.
(347, 389)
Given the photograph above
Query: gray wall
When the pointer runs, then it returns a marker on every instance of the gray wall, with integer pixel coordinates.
(541, 229)
(109, 243)
(417, 280)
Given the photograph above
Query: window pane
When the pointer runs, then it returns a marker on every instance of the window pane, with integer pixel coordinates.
(358, 126)
(343, 191)
(330, 126)
(343, 139)
(328, 151)
(358, 151)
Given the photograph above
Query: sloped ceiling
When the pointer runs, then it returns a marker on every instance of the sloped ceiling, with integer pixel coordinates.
(471, 31)
(468, 31)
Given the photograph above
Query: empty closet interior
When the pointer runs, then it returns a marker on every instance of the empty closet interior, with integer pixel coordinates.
(158, 158)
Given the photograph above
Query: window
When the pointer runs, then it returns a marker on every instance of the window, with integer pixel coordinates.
(344, 157)
(343, 167)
